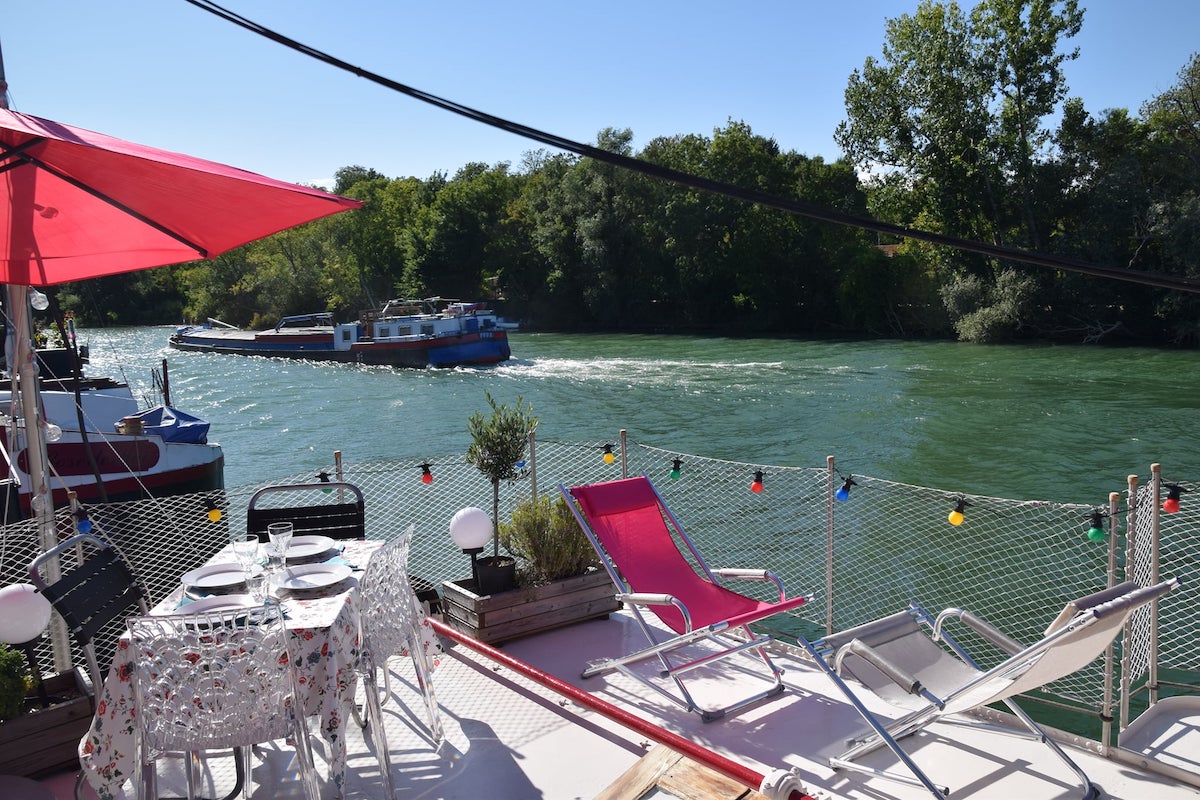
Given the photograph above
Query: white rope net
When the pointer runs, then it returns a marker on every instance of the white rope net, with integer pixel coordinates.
(1013, 562)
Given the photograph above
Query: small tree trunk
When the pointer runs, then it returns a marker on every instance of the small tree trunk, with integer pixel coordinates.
(495, 518)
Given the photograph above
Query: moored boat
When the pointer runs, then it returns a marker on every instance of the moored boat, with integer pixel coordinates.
(432, 332)
(108, 440)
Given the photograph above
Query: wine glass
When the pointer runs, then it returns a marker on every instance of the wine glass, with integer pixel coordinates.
(245, 548)
(280, 534)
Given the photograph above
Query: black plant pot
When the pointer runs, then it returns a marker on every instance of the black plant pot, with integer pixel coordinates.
(496, 574)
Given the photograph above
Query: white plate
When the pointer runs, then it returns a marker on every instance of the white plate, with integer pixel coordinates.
(225, 602)
(313, 576)
(214, 577)
(308, 546)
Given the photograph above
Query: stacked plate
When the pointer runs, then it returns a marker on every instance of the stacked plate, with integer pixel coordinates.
(307, 549)
(312, 579)
(214, 579)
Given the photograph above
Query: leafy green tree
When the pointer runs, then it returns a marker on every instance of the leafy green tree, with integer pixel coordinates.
(952, 115)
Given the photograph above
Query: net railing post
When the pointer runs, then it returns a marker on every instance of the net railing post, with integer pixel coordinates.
(624, 461)
(1156, 479)
(1131, 523)
(829, 528)
(337, 470)
(533, 465)
(1106, 712)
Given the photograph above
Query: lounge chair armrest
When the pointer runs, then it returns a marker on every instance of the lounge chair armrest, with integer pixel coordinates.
(746, 574)
(646, 599)
(980, 626)
(897, 674)
(751, 575)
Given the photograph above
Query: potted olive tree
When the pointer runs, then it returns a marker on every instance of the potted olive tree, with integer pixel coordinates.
(498, 443)
(560, 582)
(548, 542)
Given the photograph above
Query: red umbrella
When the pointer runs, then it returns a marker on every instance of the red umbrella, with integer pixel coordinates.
(82, 204)
(77, 204)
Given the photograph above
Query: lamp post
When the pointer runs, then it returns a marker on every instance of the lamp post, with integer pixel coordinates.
(471, 530)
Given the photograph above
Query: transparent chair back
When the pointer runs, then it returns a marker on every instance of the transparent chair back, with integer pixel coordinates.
(391, 619)
(215, 681)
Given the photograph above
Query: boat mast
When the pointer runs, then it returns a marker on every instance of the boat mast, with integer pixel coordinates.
(24, 390)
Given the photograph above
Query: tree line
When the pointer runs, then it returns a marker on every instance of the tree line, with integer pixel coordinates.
(963, 125)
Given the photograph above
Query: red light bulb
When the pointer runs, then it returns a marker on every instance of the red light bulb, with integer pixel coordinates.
(426, 475)
(756, 485)
(1171, 504)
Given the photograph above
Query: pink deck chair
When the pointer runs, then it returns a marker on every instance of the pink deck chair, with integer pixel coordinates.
(631, 528)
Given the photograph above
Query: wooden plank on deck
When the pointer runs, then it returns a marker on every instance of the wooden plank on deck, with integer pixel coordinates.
(676, 775)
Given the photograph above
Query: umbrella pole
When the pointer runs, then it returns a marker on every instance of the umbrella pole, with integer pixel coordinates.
(41, 500)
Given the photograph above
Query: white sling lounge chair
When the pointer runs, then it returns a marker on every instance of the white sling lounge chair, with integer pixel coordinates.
(899, 659)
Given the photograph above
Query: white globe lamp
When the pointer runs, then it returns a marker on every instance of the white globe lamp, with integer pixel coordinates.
(471, 530)
(24, 613)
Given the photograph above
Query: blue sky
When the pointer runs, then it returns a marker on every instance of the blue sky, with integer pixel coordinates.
(164, 73)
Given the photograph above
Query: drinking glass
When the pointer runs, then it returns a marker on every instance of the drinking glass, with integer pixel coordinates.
(280, 534)
(245, 548)
(256, 584)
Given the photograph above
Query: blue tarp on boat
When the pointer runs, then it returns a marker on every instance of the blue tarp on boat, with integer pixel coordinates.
(174, 425)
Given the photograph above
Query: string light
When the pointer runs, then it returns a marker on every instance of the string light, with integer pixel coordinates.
(1096, 531)
(676, 468)
(323, 477)
(1171, 504)
(426, 475)
(756, 485)
(82, 523)
(955, 517)
(214, 512)
(843, 494)
(608, 454)
(38, 300)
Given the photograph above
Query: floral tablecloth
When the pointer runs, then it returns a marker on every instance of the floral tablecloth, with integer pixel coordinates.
(324, 647)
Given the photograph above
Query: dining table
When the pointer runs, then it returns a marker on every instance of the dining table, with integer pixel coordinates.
(323, 625)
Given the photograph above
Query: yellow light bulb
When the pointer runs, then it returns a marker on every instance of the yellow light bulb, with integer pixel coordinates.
(955, 518)
(609, 458)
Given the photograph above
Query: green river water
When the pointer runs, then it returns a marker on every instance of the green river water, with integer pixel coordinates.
(1023, 422)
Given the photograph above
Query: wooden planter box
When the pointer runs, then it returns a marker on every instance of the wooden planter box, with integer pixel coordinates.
(43, 741)
(521, 612)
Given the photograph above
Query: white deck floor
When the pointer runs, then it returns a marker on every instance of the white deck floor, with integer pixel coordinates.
(507, 739)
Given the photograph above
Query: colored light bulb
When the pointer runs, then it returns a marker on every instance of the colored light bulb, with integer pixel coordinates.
(1171, 504)
(426, 475)
(955, 517)
(676, 469)
(756, 485)
(608, 454)
(843, 494)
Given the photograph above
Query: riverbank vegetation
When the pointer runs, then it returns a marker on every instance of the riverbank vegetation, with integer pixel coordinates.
(964, 125)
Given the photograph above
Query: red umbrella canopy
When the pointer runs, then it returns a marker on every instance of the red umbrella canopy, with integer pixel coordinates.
(81, 204)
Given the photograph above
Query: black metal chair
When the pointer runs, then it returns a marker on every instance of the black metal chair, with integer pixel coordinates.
(333, 509)
(99, 589)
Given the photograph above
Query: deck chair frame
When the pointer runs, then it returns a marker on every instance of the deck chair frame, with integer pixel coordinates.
(343, 519)
(690, 625)
(1088, 624)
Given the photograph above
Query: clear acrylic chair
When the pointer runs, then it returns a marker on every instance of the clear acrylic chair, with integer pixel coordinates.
(390, 618)
(215, 681)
